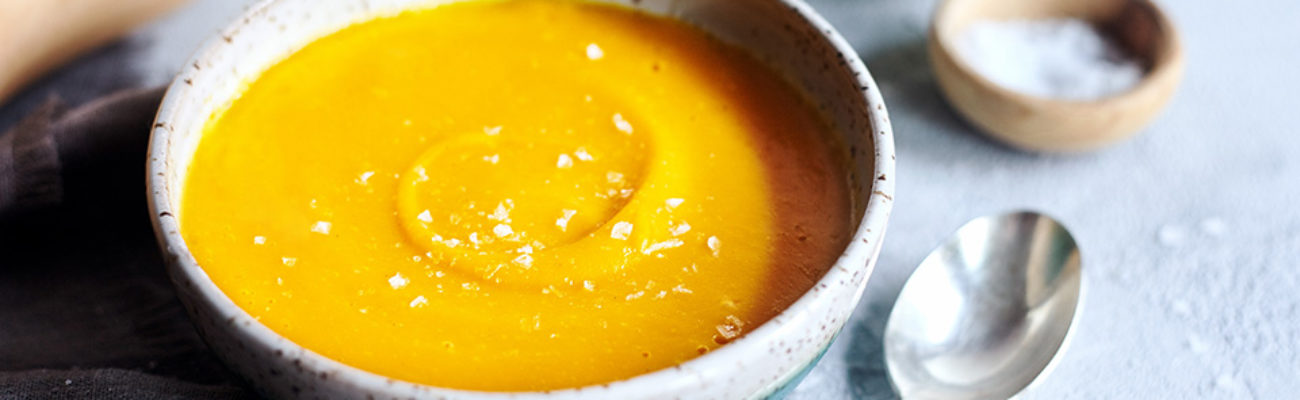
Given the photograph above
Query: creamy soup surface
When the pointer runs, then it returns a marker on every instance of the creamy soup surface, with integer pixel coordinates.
(516, 195)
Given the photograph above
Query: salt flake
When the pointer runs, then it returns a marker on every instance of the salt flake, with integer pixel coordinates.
(397, 281)
(622, 124)
(503, 230)
(621, 230)
(563, 222)
(419, 302)
(680, 229)
(364, 178)
(582, 154)
(594, 52)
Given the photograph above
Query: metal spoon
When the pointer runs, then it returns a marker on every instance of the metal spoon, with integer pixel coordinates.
(985, 314)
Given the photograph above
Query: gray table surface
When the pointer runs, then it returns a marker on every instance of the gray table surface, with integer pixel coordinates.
(1190, 232)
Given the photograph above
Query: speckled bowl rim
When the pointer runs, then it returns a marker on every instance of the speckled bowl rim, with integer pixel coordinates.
(867, 239)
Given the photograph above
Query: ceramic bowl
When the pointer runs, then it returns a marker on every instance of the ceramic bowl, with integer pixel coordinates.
(1043, 124)
(786, 34)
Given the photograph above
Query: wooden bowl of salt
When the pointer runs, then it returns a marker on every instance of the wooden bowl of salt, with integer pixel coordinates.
(1056, 75)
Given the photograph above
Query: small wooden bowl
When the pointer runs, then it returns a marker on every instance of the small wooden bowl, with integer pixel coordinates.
(1042, 124)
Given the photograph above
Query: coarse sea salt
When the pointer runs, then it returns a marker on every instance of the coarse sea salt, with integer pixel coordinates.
(1065, 59)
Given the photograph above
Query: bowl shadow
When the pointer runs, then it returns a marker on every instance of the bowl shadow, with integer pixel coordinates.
(908, 83)
(867, 376)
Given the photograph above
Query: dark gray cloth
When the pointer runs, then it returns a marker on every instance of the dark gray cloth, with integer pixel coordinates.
(86, 308)
(108, 383)
(53, 145)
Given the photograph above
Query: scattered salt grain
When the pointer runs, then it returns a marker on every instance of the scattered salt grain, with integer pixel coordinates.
(501, 213)
(1196, 344)
(419, 301)
(397, 281)
(1181, 308)
(524, 260)
(730, 329)
(622, 124)
(582, 154)
(563, 222)
(1227, 382)
(594, 52)
(503, 230)
(661, 246)
(364, 178)
(1171, 236)
(613, 177)
(1056, 58)
(621, 230)
(680, 229)
(1214, 227)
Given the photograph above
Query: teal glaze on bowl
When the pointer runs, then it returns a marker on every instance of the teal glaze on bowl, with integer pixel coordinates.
(785, 388)
(767, 362)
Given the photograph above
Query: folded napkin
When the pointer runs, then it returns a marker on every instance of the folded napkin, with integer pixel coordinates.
(86, 308)
(54, 146)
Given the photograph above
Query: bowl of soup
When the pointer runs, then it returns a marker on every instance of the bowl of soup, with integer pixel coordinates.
(522, 198)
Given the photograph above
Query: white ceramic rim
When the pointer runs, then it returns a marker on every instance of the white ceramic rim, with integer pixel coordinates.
(695, 373)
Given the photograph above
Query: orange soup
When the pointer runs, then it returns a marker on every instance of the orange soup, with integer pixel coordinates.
(516, 195)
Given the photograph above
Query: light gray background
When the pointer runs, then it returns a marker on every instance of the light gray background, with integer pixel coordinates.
(1174, 306)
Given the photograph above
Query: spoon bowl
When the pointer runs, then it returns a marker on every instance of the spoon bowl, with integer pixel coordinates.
(985, 313)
